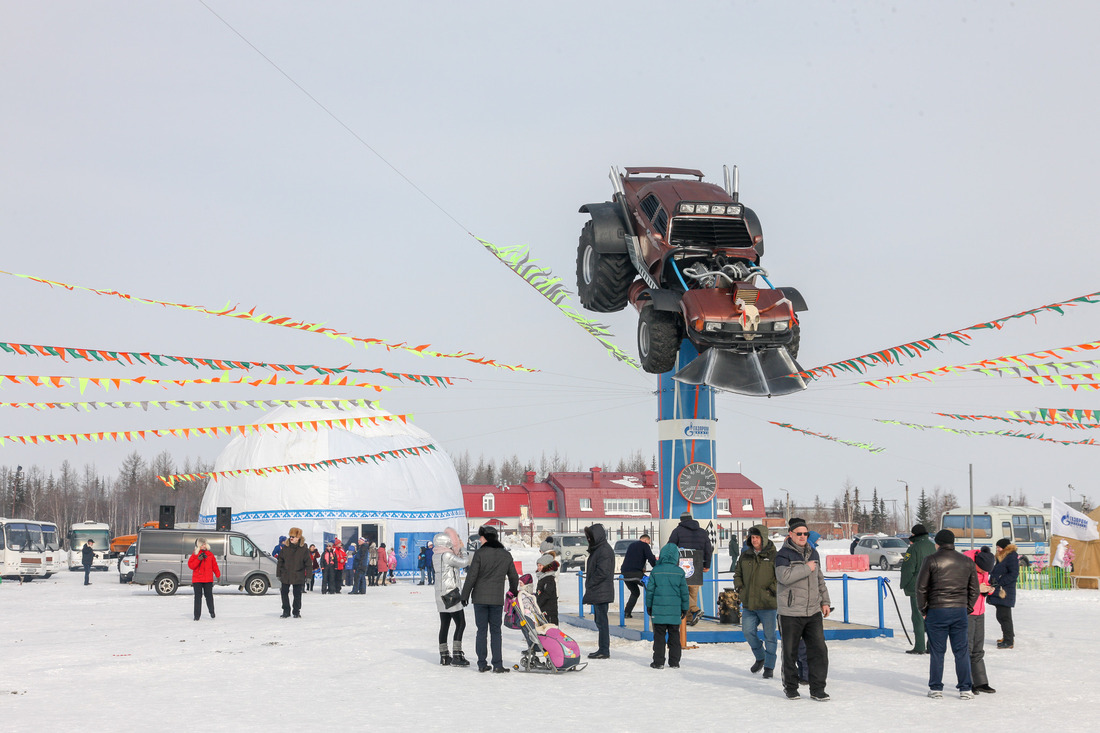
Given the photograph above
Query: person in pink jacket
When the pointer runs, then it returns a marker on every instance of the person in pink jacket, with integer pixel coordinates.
(975, 630)
(383, 563)
(391, 560)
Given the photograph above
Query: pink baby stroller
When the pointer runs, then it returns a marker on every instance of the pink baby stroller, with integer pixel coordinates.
(548, 648)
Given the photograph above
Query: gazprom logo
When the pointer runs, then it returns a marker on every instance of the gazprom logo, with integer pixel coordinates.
(693, 430)
(1074, 522)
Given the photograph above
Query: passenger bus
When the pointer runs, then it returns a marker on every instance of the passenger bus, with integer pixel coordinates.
(25, 552)
(1026, 527)
(55, 559)
(79, 534)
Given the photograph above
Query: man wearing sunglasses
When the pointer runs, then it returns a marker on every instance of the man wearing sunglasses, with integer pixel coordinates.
(803, 602)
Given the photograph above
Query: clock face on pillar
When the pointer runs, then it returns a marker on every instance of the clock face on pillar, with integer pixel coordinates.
(697, 483)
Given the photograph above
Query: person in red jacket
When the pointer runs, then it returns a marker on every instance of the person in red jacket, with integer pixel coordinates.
(204, 568)
(341, 561)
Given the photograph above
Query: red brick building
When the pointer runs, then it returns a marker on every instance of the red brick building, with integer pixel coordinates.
(627, 504)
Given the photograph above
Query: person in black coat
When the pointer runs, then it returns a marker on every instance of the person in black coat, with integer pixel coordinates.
(87, 554)
(1003, 579)
(688, 535)
(546, 590)
(599, 585)
(633, 568)
(485, 579)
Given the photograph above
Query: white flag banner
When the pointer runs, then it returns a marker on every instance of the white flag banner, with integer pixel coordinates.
(1068, 522)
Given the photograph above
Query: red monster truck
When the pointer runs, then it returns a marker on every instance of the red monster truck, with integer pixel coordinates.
(686, 254)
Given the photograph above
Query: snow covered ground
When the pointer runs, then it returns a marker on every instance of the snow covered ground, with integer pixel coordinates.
(109, 654)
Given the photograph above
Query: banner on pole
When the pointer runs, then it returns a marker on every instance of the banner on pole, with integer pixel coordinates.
(1066, 521)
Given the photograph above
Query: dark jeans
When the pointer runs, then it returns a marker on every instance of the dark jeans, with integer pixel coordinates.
(918, 625)
(284, 591)
(634, 585)
(207, 590)
(599, 615)
(487, 618)
(1004, 618)
(360, 582)
(431, 573)
(88, 569)
(975, 642)
(672, 632)
(811, 629)
(327, 580)
(943, 624)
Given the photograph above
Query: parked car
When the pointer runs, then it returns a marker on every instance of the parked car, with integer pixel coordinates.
(161, 560)
(621, 545)
(126, 563)
(572, 549)
(885, 552)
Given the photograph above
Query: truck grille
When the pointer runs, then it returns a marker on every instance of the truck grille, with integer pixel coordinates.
(695, 231)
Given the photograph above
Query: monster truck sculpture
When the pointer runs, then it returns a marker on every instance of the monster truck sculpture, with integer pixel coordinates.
(686, 254)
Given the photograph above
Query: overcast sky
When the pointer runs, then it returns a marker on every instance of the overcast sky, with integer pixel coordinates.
(917, 168)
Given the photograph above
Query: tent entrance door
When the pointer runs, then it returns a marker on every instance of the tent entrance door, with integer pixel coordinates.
(370, 532)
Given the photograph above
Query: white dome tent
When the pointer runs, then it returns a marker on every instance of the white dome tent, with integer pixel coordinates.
(402, 501)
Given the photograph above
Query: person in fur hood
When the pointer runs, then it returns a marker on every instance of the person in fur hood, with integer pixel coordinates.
(546, 587)
(1003, 598)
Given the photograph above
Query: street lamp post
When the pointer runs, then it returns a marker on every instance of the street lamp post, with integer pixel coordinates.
(903, 481)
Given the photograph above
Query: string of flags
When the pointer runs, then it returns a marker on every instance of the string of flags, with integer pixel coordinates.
(542, 279)
(998, 433)
(916, 349)
(211, 431)
(373, 458)
(230, 311)
(194, 405)
(106, 383)
(1020, 420)
(852, 443)
(132, 358)
(991, 366)
(1055, 414)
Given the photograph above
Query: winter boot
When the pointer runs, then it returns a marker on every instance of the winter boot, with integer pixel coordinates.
(459, 659)
(444, 655)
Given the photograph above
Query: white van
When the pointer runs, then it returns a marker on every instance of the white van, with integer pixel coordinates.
(161, 560)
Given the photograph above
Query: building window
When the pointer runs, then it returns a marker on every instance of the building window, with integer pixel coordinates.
(724, 505)
(488, 503)
(586, 505)
(626, 506)
(746, 505)
(550, 505)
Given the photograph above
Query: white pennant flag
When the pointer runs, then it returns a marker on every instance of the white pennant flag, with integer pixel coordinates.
(1068, 522)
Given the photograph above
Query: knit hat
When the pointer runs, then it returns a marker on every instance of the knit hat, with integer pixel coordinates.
(1003, 543)
(918, 529)
(545, 560)
(795, 523)
(685, 515)
(945, 537)
(984, 561)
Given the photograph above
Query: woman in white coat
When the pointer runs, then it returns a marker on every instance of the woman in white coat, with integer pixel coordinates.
(447, 561)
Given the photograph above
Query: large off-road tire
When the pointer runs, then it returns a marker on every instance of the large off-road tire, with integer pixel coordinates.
(602, 279)
(796, 337)
(658, 339)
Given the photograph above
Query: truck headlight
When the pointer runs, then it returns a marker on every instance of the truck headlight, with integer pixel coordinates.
(713, 326)
(780, 326)
(687, 208)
